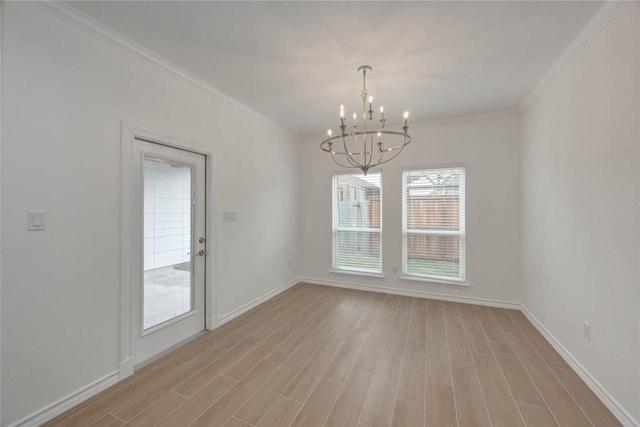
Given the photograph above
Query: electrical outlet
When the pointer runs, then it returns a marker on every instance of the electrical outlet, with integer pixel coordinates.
(587, 331)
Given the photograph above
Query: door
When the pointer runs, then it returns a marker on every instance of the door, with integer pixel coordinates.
(169, 291)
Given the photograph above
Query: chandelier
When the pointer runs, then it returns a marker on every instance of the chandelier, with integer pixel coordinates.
(369, 145)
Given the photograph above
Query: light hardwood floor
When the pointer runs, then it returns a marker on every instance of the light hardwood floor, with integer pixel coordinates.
(317, 355)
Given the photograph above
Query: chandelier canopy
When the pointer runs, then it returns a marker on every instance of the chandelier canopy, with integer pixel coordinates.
(370, 144)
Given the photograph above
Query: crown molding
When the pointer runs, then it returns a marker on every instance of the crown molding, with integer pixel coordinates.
(582, 40)
(93, 27)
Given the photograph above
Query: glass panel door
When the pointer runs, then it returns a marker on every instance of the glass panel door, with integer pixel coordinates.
(168, 233)
(169, 247)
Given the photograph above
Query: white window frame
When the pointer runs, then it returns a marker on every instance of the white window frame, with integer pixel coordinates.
(461, 280)
(335, 268)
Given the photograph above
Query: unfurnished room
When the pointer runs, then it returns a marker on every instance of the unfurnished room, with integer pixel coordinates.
(320, 213)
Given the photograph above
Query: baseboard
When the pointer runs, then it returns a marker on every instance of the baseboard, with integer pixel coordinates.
(408, 293)
(221, 320)
(68, 402)
(126, 368)
(612, 404)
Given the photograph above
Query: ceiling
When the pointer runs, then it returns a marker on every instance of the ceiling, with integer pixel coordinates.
(295, 62)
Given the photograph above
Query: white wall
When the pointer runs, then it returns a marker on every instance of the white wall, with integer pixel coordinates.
(490, 149)
(65, 92)
(581, 222)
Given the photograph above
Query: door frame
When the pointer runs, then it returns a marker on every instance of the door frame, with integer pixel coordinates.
(129, 239)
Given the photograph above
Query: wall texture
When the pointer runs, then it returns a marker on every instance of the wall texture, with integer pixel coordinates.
(64, 94)
(580, 195)
(490, 149)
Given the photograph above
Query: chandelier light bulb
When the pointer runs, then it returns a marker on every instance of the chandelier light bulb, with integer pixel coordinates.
(329, 133)
(355, 117)
(406, 115)
(381, 109)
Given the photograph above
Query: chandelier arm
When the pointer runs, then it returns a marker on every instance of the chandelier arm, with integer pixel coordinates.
(370, 151)
(396, 154)
(348, 156)
(343, 165)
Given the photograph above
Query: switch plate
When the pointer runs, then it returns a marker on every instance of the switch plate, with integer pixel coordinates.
(229, 216)
(36, 220)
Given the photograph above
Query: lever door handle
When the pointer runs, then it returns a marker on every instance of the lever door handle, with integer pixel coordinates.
(201, 252)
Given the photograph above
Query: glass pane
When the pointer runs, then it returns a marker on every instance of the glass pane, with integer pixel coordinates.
(433, 255)
(358, 250)
(167, 290)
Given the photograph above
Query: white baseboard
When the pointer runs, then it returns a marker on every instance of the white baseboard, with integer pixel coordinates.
(221, 320)
(126, 368)
(408, 293)
(68, 402)
(612, 404)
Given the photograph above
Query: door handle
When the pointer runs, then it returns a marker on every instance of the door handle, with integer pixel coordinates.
(201, 252)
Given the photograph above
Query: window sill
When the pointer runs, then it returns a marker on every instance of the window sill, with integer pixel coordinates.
(357, 273)
(458, 283)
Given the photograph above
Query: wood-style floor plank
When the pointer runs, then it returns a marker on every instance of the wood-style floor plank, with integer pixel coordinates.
(536, 416)
(440, 408)
(503, 410)
(282, 413)
(378, 407)
(563, 407)
(258, 405)
(316, 355)
(316, 409)
(190, 410)
(593, 408)
(230, 402)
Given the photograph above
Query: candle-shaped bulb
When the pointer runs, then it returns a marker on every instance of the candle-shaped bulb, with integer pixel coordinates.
(370, 99)
(342, 111)
(355, 117)
(329, 133)
(381, 109)
(406, 115)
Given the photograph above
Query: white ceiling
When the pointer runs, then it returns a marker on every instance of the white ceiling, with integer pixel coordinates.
(295, 62)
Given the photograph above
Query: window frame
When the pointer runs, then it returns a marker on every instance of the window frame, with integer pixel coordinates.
(406, 275)
(335, 268)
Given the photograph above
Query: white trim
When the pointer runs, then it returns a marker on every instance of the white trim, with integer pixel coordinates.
(442, 281)
(220, 320)
(129, 133)
(357, 273)
(53, 410)
(126, 368)
(416, 294)
(597, 22)
(89, 25)
(612, 404)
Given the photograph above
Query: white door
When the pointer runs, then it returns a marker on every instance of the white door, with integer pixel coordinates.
(168, 291)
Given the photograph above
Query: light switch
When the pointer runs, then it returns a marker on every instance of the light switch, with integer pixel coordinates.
(229, 216)
(36, 220)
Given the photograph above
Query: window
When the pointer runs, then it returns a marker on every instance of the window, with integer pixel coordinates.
(433, 230)
(357, 223)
